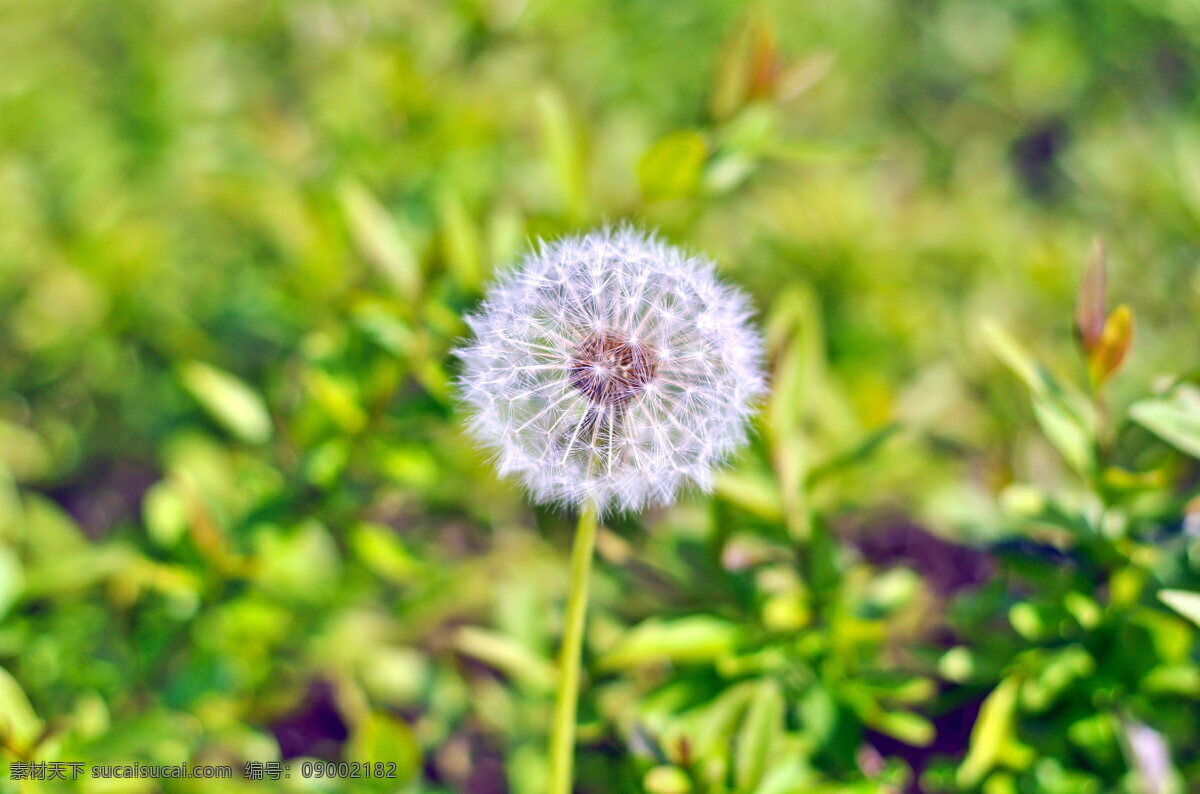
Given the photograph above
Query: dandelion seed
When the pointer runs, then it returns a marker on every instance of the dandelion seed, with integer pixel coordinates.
(611, 369)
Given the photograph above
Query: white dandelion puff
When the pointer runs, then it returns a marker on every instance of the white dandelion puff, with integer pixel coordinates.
(611, 369)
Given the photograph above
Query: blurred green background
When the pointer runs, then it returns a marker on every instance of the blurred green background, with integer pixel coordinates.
(239, 521)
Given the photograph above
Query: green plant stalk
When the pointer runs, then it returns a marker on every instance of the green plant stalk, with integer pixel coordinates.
(562, 732)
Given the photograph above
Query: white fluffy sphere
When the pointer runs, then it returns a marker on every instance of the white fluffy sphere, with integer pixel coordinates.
(611, 369)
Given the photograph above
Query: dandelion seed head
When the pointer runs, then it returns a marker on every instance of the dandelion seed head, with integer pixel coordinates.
(611, 368)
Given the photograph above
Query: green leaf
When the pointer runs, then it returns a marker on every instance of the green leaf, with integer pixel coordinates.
(393, 676)
(906, 726)
(671, 168)
(462, 249)
(338, 397)
(1014, 356)
(508, 656)
(378, 239)
(1184, 602)
(564, 150)
(715, 722)
(695, 638)
(59, 558)
(1175, 418)
(789, 773)
(12, 578)
(1057, 671)
(74, 571)
(18, 721)
(1065, 415)
(164, 512)
(667, 779)
(11, 512)
(957, 664)
(859, 453)
(229, 401)
(301, 563)
(381, 549)
(993, 729)
(759, 734)
(383, 738)
(1067, 431)
(754, 491)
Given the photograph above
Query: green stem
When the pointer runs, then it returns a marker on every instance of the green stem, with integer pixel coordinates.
(562, 735)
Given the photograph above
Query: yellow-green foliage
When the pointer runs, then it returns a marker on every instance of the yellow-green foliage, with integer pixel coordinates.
(239, 518)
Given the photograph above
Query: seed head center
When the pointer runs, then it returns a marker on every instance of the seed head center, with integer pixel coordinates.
(610, 369)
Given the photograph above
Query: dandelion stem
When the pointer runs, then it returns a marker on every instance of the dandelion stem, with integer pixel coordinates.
(562, 734)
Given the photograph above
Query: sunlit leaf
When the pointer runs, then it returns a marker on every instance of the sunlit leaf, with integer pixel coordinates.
(564, 150)
(18, 722)
(1175, 418)
(906, 726)
(717, 720)
(755, 492)
(379, 240)
(1065, 416)
(993, 728)
(382, 550)
(12, 577)
(462, 249)
(383, 738)
(689, 639)
(339, 398)
(667, 779)
(165, 513)
(228, 400)
(11, 512)
(301, 563)
(508, 656)
(1184, 602)
(759, 735)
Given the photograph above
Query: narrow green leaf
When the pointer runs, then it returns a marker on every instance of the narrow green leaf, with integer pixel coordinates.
(164, 513)
(690, 639)
(1065, 416)
(508, 656)
(11, 512)
(753, 491)
(378, 239)
(12, 577)
(563, 150)
(993, 729)
(229, 401)
(759, 734)
(1175, 418)
(18, 721)
(74, 571)
(338, 396)
(860, 453)
(1014, 355)
(462, 248)
(906, 726)
(1066, 432)
(716, 721)
(381, 549)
